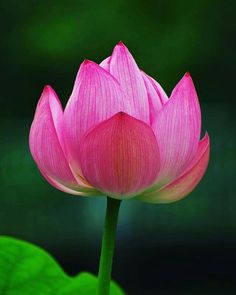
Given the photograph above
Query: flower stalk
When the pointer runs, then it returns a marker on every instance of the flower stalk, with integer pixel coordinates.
(108, 244)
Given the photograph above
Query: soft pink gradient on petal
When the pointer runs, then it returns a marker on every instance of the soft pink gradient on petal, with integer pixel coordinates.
(156, 96)
(177, 128)
(105, 64)
(70, 189)
(157, 87)
(120, 156)
(96, 97)
(184, 184)
(45, 139)
(124, 68)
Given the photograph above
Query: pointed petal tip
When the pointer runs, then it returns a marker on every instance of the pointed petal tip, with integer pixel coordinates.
(121, 114)
(120, 43)
(124, 116)
(187, 74)
(121, 46)
(45, 95)
(124, 68)
(47, 89)
(88, 62)
(185, 81)
(89, 65)
(186, 78)
(206, 139)
(206, 136)
(49, 94)
(92, 65)
(118, 115)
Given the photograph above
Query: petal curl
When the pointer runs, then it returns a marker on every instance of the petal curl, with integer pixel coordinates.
(177, 128)
(184, 184)
(96, 97)
(124, 68)
(46, 141)
(120, 156)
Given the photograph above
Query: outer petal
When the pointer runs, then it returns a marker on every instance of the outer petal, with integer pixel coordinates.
(156, 95)
(120, 156)
(96, 97)
(73, 190)
(124, 68)
(177, 128)
(45, 141)
(183, 185)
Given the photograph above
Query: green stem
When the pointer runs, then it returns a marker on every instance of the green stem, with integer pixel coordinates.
(108, 243)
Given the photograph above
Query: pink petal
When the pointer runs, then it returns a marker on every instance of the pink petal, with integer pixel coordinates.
(120, 156)
(124, 68)
(71, 189)
(184, 184)
(46, 140)
(157, 87)
(105, 64)
(96, 97)
(156, 95)
(177, 128)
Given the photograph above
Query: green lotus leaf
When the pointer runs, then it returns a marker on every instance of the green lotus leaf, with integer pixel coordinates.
(26, 269)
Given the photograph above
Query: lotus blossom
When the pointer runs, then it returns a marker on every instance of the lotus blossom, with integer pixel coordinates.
(120, 134)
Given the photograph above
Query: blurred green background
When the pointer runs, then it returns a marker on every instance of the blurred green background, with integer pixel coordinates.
(188, 247)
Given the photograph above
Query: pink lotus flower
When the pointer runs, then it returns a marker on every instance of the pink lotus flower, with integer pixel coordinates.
(120, 135)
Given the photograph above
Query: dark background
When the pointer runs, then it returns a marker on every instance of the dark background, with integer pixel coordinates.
(188, 247)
